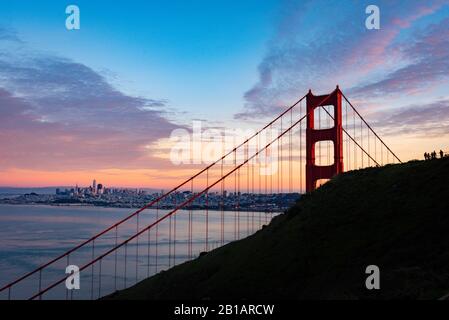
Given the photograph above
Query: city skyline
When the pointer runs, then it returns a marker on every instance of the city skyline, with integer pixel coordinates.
(102, 101)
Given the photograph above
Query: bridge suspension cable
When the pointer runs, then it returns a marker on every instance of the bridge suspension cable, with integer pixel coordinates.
(168, 215)
(245, 167)
(371, 129)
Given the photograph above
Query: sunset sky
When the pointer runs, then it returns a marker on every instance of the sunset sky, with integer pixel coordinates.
(100, 102)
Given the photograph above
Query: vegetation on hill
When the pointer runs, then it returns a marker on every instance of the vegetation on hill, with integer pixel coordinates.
(395, 217)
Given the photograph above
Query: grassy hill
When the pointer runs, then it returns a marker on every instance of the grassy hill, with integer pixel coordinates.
(395, 217)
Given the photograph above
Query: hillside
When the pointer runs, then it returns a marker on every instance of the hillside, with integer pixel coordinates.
(396, 217)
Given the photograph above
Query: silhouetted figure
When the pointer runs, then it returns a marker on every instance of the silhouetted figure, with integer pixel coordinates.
(441, 154)
(426, 156)
(434, 155)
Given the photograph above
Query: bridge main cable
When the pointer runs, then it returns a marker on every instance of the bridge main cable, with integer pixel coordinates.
(187, 202)
(372, 130)
(182, 205)
(150, 204)
(353, 140)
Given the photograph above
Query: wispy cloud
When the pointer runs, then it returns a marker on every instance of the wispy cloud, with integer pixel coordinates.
(57, 114)
(428, 54)
(424, 120)
(7, 34)
(323, 43)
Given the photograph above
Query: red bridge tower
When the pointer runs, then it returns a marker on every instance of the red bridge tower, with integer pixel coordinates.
(334, 134)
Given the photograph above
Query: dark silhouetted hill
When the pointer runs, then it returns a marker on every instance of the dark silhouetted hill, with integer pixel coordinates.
(395, 217)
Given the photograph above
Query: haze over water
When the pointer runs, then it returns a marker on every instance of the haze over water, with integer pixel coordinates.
(33, 235)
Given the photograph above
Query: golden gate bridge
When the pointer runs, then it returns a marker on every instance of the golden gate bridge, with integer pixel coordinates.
(315, 139)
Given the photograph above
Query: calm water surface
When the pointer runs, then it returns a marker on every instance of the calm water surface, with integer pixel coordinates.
(32, 235)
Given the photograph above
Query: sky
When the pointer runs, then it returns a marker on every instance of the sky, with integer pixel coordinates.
(99, 102)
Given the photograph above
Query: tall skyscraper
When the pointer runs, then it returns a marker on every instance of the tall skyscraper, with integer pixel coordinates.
(100, 189)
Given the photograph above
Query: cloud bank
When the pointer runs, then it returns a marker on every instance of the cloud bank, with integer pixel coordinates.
(323, 43)
(57, 114)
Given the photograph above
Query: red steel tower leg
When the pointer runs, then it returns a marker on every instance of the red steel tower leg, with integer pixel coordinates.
(334, 134)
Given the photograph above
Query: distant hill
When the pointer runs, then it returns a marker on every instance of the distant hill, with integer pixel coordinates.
(395, 217)
(21, 191)
(52, 190)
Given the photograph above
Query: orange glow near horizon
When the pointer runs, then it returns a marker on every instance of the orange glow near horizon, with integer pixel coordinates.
(171, 175)
(138, 178)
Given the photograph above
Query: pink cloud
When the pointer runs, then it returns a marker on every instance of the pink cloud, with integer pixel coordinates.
(375, 49)
(337, 49)
(429, 53)
(68, 118)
